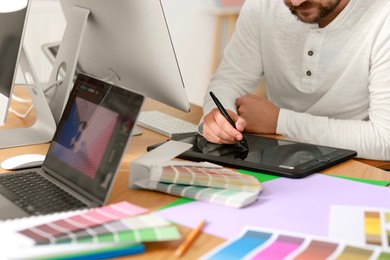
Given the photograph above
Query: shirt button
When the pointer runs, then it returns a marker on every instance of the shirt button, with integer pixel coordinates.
(310, 53)
(308, 73)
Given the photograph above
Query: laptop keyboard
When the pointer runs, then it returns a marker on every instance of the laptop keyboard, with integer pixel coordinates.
(36, 195)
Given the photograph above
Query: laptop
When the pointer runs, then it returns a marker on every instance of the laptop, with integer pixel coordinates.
(83, 158)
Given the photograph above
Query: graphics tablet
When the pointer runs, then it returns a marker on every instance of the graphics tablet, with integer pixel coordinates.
(267, 155)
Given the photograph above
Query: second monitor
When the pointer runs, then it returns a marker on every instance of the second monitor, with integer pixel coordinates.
(126, 42)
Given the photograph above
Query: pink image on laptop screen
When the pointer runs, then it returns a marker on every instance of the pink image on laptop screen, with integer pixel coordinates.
(85, 135)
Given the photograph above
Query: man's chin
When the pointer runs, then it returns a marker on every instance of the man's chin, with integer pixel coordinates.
(307, 17)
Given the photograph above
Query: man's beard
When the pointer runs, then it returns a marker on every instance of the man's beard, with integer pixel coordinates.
(321, 10)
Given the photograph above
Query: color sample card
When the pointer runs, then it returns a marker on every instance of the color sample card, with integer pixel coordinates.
(47, 233)
(373, 228)
(222, 178)
(112, 234)
(257, 243)
(143, 228)
(226, 197)
(364, 225)
(134, 236)
(281, 247)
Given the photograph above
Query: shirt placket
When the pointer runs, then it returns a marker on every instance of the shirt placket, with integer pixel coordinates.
(310, 61)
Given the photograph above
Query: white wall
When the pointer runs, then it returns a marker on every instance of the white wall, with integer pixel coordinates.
(193, 36)
(45, 24)
(192, 32)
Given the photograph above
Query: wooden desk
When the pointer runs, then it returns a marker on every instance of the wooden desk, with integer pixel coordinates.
(154, 200)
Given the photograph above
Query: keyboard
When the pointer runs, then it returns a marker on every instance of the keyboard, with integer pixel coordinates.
(35, 194)
(166, 124)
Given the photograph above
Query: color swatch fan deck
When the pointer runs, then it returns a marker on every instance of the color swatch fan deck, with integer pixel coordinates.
(256, 243)
(119, 227)
(201, 181)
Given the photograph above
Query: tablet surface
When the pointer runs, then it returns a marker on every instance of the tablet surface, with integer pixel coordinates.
(268, 155)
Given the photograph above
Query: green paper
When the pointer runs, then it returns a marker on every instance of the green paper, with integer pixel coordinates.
(177, 202)
(261, 177)
(373, 182)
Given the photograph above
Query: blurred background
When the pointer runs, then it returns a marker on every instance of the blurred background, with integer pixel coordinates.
(199, 28)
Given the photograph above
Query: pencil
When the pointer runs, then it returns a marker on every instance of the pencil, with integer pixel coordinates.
(189, 239)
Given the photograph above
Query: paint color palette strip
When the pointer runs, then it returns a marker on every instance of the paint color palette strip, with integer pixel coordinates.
(210, 177)
(227, 197)
(256, 243)
(148, 221)
(317, 250)
(373, 228)
(387, 220)
(133, 236)
(47, 233)
(355, 253)
(281, 247)
(240, 247)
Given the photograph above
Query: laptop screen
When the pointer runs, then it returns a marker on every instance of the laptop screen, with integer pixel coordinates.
(92, 136)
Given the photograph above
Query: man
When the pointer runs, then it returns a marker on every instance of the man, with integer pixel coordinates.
(326, 65)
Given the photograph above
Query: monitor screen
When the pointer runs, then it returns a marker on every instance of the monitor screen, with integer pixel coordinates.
(92, 135)
(12, 20)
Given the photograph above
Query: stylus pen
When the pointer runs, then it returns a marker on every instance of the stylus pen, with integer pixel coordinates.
(223, 111)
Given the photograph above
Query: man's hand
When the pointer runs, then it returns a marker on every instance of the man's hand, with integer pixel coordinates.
(260, 115)
(217, 129)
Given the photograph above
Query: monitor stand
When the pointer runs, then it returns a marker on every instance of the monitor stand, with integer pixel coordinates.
(65, 64)
(49, 102)
(43, 129)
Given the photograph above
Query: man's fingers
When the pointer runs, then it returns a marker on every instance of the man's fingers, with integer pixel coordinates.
(240, 122)
(217, 137)
(217, 129)
(226, 126)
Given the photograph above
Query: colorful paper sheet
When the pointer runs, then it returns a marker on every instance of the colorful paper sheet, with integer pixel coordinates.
(262, 177)
(301, 205)
(258, 243)
(47, 233)
(364, 225)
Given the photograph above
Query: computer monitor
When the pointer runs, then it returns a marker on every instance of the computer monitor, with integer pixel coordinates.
(123, 41)
(13, 19)
(13, 16)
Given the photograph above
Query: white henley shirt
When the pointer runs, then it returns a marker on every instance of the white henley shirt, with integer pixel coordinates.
(332, 84)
